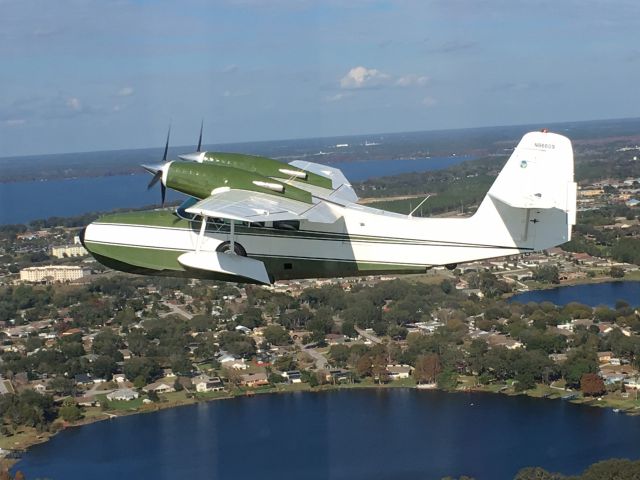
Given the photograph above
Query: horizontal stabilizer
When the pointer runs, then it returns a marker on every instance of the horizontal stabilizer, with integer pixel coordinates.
(244, 268)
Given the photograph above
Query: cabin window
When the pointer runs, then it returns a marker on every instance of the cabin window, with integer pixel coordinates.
(288, 266)
(181, 210)
(287, 225)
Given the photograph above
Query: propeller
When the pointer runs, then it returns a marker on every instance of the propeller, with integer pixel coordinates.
(198, 155)
(158, 170)
(200, 138)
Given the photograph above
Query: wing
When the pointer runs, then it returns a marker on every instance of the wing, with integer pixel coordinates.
(248, 206)
(342, 189)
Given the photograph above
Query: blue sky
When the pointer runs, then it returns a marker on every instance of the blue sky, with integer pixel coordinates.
(81, 75)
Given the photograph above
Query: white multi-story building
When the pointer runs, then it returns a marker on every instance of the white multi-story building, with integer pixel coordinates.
(69, 251)
(53, 273)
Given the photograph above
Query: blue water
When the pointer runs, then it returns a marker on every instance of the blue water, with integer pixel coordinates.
(22, 202)
(373, 434)
(595, 294)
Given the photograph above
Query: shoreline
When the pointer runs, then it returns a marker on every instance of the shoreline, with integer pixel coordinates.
(541, 391)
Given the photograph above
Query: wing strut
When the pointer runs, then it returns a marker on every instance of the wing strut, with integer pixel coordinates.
(232, 233)
(203, 228)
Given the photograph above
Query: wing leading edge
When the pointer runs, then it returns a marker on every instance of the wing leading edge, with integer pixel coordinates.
(248, 206)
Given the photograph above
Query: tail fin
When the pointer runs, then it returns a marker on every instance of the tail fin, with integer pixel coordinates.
(532, 203)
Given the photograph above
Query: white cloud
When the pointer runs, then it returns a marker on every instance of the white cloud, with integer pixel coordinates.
(337, 97)
(230, 68)
(15, 122)
(235, 93)
(359, 77)
(125, 91)
(74, 104)
(412, 80)
(429, 101)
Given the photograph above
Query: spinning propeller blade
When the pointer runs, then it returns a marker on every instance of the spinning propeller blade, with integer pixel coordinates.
(200, 139)
(157, 170)
(166, 146)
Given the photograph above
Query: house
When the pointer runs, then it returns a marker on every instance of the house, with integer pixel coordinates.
(294, 376)
(237, 364)
(337, 376)
(605, 357)
(335, 338)
(264, 359)
(83, 379)
(39, 386)
(632, 382)
(396, 372)
(123, 394)
(208, 384)
(558, 357)
(5, 386)
(119, 378)
(86, 401)
(229, 361)
(159, 387)
(126, 353)
(497, 339)
(253, 380)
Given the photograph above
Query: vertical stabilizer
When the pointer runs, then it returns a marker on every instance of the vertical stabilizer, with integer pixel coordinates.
(533, 201)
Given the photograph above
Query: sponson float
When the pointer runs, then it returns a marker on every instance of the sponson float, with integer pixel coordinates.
(258, 220)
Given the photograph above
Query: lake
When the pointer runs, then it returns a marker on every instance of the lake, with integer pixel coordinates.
(23, 202)
(594, 294)
(349, 434)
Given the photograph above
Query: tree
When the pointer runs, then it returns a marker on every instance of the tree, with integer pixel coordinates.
(285, 363)
(107, 343)
(427, 368)
(339, 354)
(348, 329)
(364, 366)
(537, 473)
(63, 386)
(547, 274)
(592, 385)
(616, 272)
(104, 367)
(447, 380)
(276, 335)
(579, 362)
(143, 368)
(379, 369)
(70, 412)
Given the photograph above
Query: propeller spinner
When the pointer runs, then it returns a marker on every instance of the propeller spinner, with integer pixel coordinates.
(160, 170)
(197, 156)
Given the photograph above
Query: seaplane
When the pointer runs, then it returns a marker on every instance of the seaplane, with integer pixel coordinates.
(253, 219)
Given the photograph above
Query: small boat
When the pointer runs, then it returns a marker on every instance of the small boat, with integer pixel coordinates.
(616, 410)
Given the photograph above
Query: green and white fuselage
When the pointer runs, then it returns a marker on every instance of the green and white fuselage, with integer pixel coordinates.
(299, 225)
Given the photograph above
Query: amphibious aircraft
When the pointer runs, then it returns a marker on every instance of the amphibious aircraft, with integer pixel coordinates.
(258, 220)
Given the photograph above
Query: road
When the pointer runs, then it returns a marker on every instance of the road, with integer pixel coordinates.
(369, 336)
(319, 359)
(177, 310)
